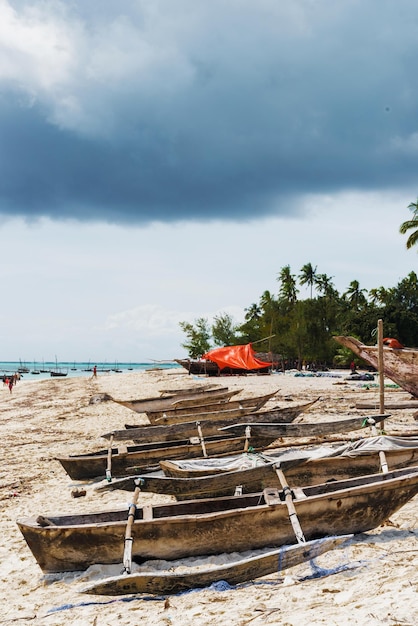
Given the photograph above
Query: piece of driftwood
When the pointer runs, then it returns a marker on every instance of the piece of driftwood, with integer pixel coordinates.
(234, 573)
(202, 527)
(389, 404)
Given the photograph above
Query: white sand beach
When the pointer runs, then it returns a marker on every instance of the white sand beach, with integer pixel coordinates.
(377, 581)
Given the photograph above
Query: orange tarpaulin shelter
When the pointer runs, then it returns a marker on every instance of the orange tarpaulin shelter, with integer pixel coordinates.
(237, 357)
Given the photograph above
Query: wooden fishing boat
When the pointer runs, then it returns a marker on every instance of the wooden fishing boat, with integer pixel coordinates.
(199, 366)
(134, 459)
(204, 478)
(229, 360)
(232, 409)
(185, 391)
(284, 414)
(163, 403)
(234, 572)
(202, 527)
(305, 429)
(197, 428)
(399, 364)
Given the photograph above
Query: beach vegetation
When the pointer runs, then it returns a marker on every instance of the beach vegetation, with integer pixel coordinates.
(302, 329)
(198, 337)
(224, 330)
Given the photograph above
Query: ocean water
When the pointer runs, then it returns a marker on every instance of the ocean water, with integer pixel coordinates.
(74, 369)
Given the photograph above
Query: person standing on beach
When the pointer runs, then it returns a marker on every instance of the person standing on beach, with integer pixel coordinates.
(94, 375)
(11, 384)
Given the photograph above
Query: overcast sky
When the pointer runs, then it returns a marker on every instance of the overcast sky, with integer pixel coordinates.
(162, 160)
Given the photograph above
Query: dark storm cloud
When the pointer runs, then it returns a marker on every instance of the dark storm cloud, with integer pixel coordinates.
(205, 110)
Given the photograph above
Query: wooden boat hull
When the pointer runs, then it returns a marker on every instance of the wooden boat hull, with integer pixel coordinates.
(209, 428)
(196, 527)
(209, 368)
(186, 484)
(186, 391)
(232, 409)
(316, 429)
(136, 459)
(243, 570)
(166, 402)
(400, 365)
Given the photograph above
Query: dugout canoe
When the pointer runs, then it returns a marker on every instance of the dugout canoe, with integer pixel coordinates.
(305, 429)
(125, 460)
(202, 527)
(163, 403)
(233, 572)
(186, 391)
(280, 414)
(232, 409)
(204, 478)
(208, 427)
(399, 364)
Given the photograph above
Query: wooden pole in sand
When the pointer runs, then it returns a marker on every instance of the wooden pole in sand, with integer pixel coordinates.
(109, 460)
(381, 370)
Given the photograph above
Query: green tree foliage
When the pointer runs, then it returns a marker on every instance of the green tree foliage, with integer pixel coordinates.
(288, 291)
(198, 337)
(224, 330)
(302, 330)
(355, 296)
(411, 224)
(307, 276)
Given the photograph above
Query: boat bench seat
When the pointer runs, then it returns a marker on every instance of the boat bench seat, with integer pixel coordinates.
(147, 512)
(299, 493)
(274, 496)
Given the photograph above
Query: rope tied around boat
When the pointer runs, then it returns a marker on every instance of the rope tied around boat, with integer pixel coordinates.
(132, 509)
(286, 491)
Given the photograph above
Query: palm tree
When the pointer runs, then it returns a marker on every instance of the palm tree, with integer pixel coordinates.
(378, 295)
(288, 291)
(307, 275)
(355, 295)
(411, 225)
(253, 312)
(325, 285)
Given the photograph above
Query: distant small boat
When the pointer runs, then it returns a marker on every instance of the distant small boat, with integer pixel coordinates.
(58, 371)
(23, 369)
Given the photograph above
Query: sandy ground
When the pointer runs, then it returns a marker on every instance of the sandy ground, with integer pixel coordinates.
(378, 579)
